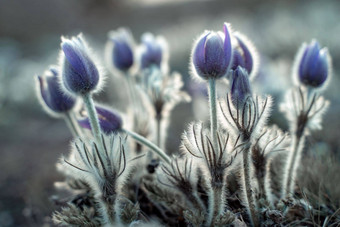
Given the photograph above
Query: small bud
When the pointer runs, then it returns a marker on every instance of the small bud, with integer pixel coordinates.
(109, 120)
(52, 97)
(80, 74)
(212, 54)
(120, 49)
(153, 51)
(313, 64)
(240, 87)
(244, 55)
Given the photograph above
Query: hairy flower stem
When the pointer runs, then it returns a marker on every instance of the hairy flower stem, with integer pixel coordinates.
(108, 213)
(196, 202)
(70, 124)
(267, 184)
(93, 116)
(149, 144)
(292, 164)
(131, 88)
(250, 198)
(213, 111)
(216, 201)
(159, 122)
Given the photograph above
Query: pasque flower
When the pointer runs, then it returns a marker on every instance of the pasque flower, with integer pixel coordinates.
(313, 64)
(109, 120)
(212, 54)
(80, 74)
(244, 54)
(52, 96)
(153, 51)
(240, 87)
(120, 48)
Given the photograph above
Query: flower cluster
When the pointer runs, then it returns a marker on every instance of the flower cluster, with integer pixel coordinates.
(224, 172)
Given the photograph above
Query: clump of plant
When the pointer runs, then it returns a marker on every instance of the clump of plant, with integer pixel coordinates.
(224, 173)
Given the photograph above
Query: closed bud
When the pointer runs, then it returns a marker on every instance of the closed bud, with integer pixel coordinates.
(313, 64)
(51, 95)
(109, 120)
(240, 87)
(152, 51)
(244, 55)
(120, 49)
(80, 74)
(212, 54)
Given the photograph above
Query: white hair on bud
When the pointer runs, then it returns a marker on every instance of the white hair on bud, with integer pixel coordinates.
(253, 51)
(92, 56)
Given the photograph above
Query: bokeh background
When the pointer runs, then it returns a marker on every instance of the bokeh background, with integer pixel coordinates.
(31, 142)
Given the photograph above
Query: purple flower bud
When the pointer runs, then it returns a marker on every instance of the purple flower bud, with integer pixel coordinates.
(121, 50)
(240, 87)
(51, 94)
(80, 75)
(212, 54)
(313, 68)
(109, 120)
(152, 53)
(244, 53)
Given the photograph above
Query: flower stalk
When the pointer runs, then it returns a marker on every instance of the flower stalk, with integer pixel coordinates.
(93, 117)
(143, 141)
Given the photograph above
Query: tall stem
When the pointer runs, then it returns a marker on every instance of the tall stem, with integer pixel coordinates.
(213, 112)
(250, 199)
(149, 144)
(70, 124)
(216, 201)
(291, 166)
(93, 116)
(158, 122)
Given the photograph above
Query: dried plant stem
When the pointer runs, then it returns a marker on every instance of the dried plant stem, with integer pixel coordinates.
(292, 164)
(149, 144)
(249, 195)
(213, 110)
(93, 116)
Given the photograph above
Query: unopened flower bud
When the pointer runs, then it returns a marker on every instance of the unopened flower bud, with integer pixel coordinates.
(240, 87)
(109, 120)
(244, 55)
(51, 95)
(212, 54)
(313, 64)
(152, 51)
(80, 74)
(120, 49)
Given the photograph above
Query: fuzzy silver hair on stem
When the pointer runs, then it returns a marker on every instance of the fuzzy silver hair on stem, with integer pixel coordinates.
(246, 115)
(182, 175)
(271, 142)
(304, 109)
(229, 171)
(198, 143)
(103, 170)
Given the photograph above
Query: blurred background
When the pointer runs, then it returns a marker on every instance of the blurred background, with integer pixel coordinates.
(31, 142)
